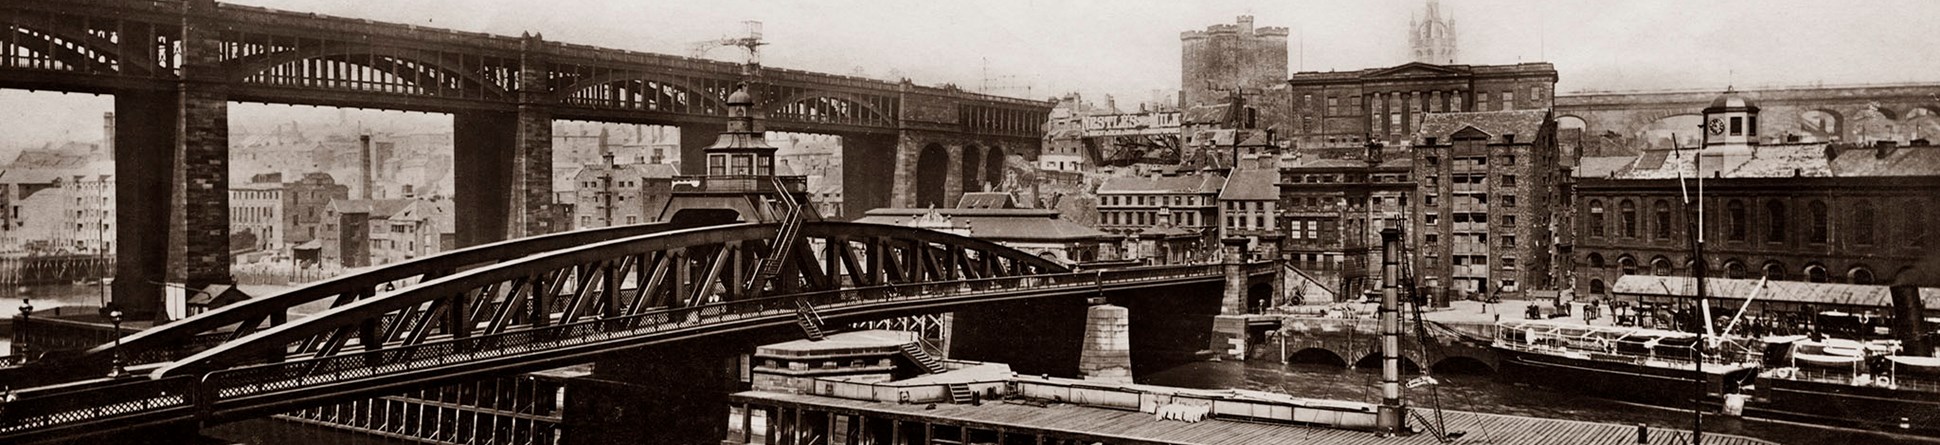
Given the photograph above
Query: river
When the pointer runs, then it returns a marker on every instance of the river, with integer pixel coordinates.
(1482, 393)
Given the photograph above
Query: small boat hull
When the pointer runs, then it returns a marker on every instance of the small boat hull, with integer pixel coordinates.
(1631, 382)
(1865, 407)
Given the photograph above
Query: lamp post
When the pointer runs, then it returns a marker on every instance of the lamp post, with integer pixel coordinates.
(114, 316)
(21, 346)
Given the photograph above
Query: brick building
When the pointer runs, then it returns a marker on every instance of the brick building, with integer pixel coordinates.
(1247, 206)
(620, 194)
(1836, 213)
(1344, 110)
(1190, 202)
(1334, 210)
(304, 202)
(1488, 187)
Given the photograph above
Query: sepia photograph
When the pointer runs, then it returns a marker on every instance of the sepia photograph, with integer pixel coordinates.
(998, 222)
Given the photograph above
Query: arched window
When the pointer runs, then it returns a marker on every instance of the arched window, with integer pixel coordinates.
(1735, 219)
(1627, 264)
(1815, 273)
(1734, 269)
(1862, 223)
(1774, 271)
(1629, 212)
(1775, 221)
(1660, 266)
(1596, 260)
(1821, 224)
(1860, 275)
(1596, 218)
(1663, 229)
(1596, 287)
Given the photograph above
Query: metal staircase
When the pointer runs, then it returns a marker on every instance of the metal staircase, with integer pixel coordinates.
(929, 362)
(960, 393)
(809, 320)
(791, 227)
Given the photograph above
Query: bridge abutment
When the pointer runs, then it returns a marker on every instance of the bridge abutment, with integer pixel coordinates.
(671, 394)
(1036, 337)
(144, 139)
(482, 148)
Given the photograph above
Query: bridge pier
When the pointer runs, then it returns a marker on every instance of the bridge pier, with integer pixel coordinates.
(864, 187)
(144, 139)
(1036, 337)
(669, 394)
(482, 148)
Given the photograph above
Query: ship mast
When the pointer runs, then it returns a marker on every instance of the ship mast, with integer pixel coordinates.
(1694, 208)
(1393, 410)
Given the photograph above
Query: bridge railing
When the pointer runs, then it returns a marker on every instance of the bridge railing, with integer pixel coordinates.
(81, 403)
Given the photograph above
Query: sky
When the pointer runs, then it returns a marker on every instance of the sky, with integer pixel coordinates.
(1127, 48)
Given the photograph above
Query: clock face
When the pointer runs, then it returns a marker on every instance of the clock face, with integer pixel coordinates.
(1717, 126)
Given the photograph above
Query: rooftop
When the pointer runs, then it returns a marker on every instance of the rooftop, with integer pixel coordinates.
(1809, 160)
(1787, 291)
(997, 224)
(1251, 184)
(1193, 183)
(1525, 124)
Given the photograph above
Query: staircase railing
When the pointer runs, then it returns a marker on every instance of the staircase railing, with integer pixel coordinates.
(791, 226)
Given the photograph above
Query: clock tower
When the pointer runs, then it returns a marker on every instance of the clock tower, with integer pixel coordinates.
(1730, 122)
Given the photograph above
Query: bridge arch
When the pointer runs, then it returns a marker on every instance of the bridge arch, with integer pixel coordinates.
(1317, 356)
(825, 106)
(1822, 124)
(584, 285)
(995, 162)
(403, 65)
(932, 169)
(1410, 362)
(970, 169)
(1569, 121)
(84, 53)
(638, 91)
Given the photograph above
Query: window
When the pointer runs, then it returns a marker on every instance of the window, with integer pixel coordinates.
(1774, 271)
(1508, 100)
(1916, 224)
(1737, 126)
(1629, 215)
(1596, 218)
(1775, 219)
(1860, 275)
(1627, 264)
(1734, 269)
(1660, 266)
(1508, 241)
(1431, 239)
(1509, 180)
(1508, 263)
(1433, 161)
(1735, 219)
(1596, 260)
(1663, 220)
(1815, 273)
(1820, 223)
(1508, 200)
(1862, 223)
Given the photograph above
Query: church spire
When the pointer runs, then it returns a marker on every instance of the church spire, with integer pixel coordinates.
(1432, 37)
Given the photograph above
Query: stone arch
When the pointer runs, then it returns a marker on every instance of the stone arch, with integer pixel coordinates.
(1657, 133)
(1822, 124)
(1661, 266)
(1597, 288)
(970, 169)
(1461, 364)
(1627, 264)
(1861, 274)
(932, 168)
(1922, 122)
(1774, 270)
(1735, 268)
(1816, 273)
(1873, 124)
(1318, 356)
(994, 161)
(1596, 260)
(1569, 121)
(1372, 360)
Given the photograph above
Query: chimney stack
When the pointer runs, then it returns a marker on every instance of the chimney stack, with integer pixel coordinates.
(364, 152)
(108, 134)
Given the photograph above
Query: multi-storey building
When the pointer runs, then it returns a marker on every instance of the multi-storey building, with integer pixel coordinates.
(613, 194)
(1334, 210)
(1190, 202)
(1838, 213)
(1345, 110)
(1247, 206)
(304, 202)
(257, 208)
(1236, 56)
(1488, 187)
(366, 232)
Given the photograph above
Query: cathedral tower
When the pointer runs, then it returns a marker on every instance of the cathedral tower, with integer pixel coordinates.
(1432, 38)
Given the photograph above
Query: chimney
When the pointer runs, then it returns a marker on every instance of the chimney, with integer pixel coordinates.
(108, 134)
(1909, 322)
(1884, 149)
(363, 145)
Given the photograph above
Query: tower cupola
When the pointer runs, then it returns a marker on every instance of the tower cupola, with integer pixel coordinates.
(1730, 121)
(743, 149)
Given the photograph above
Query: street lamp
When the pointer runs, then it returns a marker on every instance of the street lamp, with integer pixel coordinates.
(113, 313)
(19, 339)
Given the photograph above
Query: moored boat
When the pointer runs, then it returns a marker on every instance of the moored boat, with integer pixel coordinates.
(1867, 385)
(1640, 365)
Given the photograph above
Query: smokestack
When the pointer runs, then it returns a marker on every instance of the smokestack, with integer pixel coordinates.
(1909, 319)
(364, 152)
(108, 134)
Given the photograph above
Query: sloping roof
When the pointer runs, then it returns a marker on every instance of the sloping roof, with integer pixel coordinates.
(1899, 161)
(1601, 166)
(1787, 291)
(987, 200)
(1809, 160)
(1522, 123)
(1194, 183)
(1251, 184)
(1207, 114)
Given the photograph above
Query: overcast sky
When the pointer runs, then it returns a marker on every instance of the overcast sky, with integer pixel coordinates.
(1128, 48)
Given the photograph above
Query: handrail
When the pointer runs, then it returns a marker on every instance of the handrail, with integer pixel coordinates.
(55, 407)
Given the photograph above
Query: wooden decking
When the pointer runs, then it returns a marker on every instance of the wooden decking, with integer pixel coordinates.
(1132, 427)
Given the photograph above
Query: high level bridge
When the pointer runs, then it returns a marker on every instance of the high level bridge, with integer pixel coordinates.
(554, 300)
(173, 66)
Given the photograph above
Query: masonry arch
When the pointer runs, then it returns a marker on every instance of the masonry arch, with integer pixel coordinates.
(1658, 134)
(1822, 124)
(1373, 361)
(1860, 274)
(1660, 266)
(932, 167)
(1816, 273)
(1317, 356)
(1774, 270)
(970, 169)
(994, 160)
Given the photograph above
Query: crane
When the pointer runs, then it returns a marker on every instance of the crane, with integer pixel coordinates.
(751, 42)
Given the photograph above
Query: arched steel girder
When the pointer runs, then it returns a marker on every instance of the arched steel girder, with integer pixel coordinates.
(620, 278)
(807, 98)
(40, 40)
(707, 99)
(228, 323)
(244, 67)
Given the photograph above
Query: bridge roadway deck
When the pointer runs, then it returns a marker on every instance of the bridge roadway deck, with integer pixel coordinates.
(1112, 426)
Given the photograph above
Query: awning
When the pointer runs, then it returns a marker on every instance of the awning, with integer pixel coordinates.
(1826, 360)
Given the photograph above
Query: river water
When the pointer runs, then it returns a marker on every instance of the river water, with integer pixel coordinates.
(1483, 393)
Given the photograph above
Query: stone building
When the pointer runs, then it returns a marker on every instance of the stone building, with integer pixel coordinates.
(1818, 212)
(1431, 38)
(1236, 56)
(1334, 210)
(1488, 187)
(1190, 202)
(1344, 110)
(615, 194)
(1247, 206)
(304, 203)
(256, 207)
(368, 232)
